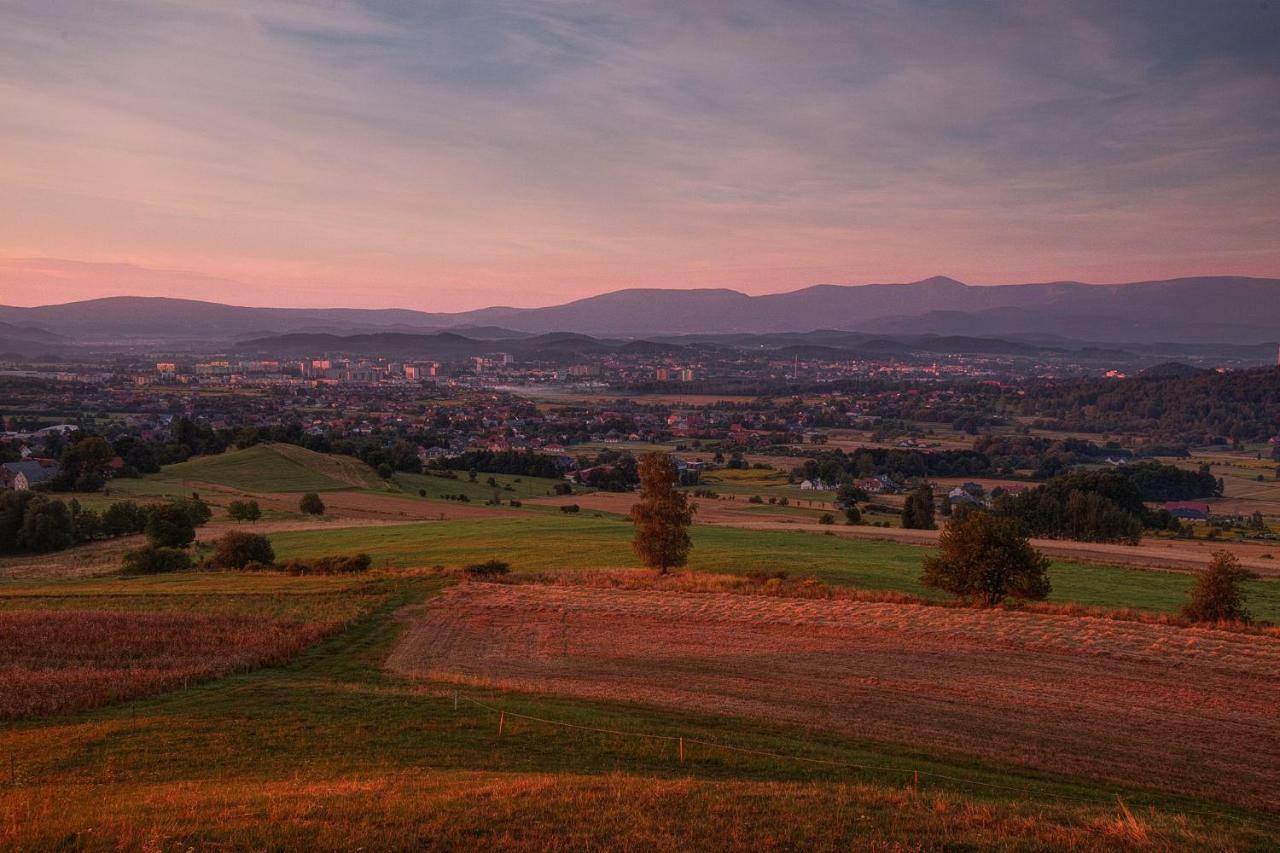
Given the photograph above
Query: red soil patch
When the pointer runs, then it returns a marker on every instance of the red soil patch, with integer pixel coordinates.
(1190, 710)
(52, 661)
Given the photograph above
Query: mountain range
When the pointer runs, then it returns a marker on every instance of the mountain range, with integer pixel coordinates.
(1218, 309)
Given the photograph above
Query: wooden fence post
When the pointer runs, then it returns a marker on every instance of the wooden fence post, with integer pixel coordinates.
(682, 750)
(502, 722)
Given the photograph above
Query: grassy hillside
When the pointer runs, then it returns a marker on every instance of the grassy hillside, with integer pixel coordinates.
(508, 486)
(276, 468)
(550, 543)
(330, 751)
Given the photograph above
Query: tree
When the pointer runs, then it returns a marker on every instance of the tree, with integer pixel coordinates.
(662, 516)
(1217, 594)
(985, 558)
(170, 526)
(917, 510)
(244, 510)
(123, 518)
(852, 515)
(235, 550)
(84, 464)
(47, 525)
(311, 504)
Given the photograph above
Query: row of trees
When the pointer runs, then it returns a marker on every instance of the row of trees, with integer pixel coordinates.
(31, 522)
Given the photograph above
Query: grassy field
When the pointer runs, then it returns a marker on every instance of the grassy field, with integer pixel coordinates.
(275, 468)
(331, 752)
(1043, 690)
(551, 543)
(508, 487)
(80, 644)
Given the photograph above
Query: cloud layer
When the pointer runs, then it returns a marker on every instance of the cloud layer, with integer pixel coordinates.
(445, 155)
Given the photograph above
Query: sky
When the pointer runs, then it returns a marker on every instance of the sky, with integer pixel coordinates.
(452, 155)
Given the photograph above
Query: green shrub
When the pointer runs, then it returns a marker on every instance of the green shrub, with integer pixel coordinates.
(150, 560)
(489, 568)
(123, 518)
(340, 565)
(311, 504)
(244, 510)
(236, 550)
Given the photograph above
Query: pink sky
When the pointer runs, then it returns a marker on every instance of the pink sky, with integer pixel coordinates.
(453, 157)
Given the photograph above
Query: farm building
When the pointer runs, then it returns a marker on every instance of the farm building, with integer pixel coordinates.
(21, 476)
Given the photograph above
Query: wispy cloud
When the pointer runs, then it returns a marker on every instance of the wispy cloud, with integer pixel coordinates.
(448, 154)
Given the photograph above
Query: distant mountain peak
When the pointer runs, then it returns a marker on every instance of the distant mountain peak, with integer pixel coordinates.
(939, 281)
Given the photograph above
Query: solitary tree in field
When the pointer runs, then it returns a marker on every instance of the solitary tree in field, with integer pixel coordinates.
(244, 510)
(1218, 594)
(663, 515)
(311, 504)
(985, 558)
(170, 526)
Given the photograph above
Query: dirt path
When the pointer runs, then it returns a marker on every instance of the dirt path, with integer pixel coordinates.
(1187, 710)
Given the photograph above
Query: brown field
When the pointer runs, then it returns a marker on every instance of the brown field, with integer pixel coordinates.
(1187, 710)
(467, 810)
(53, 661)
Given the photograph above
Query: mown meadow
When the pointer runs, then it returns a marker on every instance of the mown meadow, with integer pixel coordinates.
(331, 751)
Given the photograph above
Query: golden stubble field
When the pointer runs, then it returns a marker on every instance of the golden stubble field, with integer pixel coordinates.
(1188, 710)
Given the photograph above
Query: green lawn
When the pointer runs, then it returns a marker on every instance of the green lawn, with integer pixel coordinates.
(479, 491)
(548, 543)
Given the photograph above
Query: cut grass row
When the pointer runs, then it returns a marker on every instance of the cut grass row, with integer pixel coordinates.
(330, 751)
(552, 543)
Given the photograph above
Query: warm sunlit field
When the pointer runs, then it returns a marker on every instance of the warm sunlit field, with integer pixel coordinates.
(1187, 710)
(76, 645)
(330, 748)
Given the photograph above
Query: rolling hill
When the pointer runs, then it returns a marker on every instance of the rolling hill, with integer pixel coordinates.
(276, 468)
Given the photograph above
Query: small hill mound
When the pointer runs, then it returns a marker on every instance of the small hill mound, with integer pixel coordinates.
(278, 468)
(1173, 370)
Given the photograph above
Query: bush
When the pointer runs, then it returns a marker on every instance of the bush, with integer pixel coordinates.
(244, 510)
(852, 515)
(1217, 595)
(563, 489)
(827, 518)
(150, 560)
(489, 568)
(123, 518)
(311, 504)
(170, 526)
(570, 508)
(341, 565)
(235, 550)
